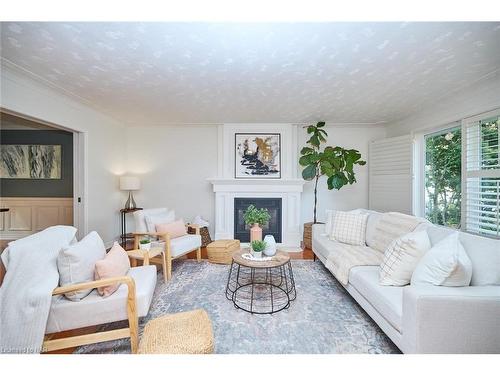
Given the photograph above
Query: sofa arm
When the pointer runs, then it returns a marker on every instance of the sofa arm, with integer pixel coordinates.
(451, 319)
(318, 229)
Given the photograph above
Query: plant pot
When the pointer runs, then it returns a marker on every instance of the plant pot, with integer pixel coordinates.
(255, 233)
(270, 249)
(145, 246)
(257, 254)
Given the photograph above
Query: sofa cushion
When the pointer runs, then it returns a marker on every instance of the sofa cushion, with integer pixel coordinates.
(390, 226)
(349, 228)
(371, 224)
(152, 220)
(184, 244)
(140, 217)
(175, 228)
(116, 263)
(483, 252)
(387, 300)
(401, 258)
(76, 263)
(446, 264)
(94, 309)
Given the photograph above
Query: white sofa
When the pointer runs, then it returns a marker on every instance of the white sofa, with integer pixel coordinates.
(428, 318)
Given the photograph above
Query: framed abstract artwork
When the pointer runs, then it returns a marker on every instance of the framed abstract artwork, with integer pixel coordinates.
(258, 155)
(31, 161)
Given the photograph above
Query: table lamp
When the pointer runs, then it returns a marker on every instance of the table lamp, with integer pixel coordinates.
(130, 183)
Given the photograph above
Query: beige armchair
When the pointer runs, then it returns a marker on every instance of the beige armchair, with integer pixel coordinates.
(167, 248)
(129, 302)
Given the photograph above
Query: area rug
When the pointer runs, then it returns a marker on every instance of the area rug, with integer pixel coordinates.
(323, 319)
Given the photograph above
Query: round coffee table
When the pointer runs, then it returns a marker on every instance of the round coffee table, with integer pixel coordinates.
(261, 286)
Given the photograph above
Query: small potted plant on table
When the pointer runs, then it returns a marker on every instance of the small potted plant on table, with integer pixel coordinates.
(258, 247)
(256, 218)
(145, 245)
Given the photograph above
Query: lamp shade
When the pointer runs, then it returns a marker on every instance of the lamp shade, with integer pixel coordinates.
(130, 183)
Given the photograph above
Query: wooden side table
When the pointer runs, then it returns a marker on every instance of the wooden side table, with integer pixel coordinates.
(124, 236)
(146, 255)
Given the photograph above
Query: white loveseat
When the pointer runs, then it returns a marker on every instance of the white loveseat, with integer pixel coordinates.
(428, 318)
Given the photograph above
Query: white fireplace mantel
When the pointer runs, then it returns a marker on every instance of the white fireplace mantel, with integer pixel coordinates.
(288, 188)
(256, 185)
(226, 190)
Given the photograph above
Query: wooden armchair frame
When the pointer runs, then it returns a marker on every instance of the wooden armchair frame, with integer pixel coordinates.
(167, 255)
(133, 321)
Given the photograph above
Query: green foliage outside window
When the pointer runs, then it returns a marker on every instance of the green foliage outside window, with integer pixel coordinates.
(443, 177)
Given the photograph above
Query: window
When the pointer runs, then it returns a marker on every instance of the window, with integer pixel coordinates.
(482, 175)
(442, 176)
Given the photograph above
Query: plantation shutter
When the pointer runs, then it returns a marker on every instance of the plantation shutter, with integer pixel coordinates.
(390, 166)
(481, 174)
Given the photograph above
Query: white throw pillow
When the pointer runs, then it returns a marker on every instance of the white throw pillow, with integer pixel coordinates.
(446, 264)
(401, 258)
(161, 218)
(329, 222)
(76, 263)
(349, 228)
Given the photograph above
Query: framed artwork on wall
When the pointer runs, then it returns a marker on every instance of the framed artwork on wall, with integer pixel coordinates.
(257, 155)
(31, 161)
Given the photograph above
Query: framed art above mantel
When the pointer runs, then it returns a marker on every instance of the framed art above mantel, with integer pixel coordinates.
(257, 155)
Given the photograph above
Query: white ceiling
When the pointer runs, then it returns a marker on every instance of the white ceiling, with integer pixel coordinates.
(161, 73)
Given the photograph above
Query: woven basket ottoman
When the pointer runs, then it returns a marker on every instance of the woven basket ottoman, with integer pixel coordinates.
(182, 333)
(221, 251)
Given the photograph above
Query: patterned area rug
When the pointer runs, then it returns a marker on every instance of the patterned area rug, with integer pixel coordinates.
(323, 318)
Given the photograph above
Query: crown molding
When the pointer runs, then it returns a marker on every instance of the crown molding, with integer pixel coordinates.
(25, 73)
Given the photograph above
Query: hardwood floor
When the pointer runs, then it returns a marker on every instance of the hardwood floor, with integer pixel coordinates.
(305, 254)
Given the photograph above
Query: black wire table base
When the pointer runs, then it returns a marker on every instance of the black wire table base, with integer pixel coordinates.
(265, 290)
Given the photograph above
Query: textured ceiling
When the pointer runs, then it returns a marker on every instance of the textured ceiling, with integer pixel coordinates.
(160, 73)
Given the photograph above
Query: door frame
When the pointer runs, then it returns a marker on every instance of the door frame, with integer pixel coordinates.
(80, 170)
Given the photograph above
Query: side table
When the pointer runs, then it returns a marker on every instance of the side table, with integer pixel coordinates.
(146, 255)
(124, 235)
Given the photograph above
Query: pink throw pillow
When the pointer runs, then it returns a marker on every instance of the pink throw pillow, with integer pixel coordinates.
(114, 264)
(175, 229)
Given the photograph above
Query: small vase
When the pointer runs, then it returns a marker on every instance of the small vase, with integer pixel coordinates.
(145, 246)
(257, 254)
(255, 233)
(270, 249)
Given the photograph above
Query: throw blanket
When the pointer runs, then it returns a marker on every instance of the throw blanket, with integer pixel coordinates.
(391, 226)
(26, 292)
(346, 256)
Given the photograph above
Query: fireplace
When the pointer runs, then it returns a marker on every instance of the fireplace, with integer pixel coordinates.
(273, 206)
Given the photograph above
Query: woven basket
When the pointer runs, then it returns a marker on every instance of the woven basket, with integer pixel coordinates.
(182, 333)
(205, 235)
(221, 251)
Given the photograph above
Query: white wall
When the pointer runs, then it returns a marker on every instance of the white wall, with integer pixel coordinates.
(351, 196)
(173, 163)
(105, 143)
(480, 97)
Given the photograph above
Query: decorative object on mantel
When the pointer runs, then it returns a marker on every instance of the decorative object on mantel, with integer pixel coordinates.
(270, 249)
(145, 244)
(336, 163)
(256, 218)
(257, 248)
(130, 183)
(257, 155)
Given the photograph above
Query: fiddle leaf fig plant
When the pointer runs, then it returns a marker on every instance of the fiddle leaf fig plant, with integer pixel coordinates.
(336, 163)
